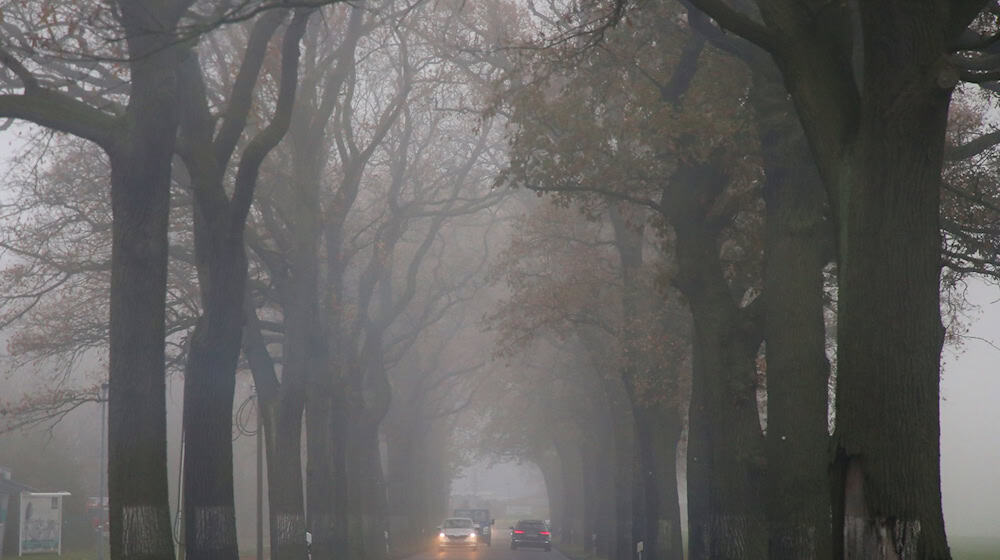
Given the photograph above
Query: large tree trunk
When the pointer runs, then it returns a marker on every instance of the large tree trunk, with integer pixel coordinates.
(798, 243)
(209, 385)
(624, 455)
(570, 464)
(219, 223)
(555, 487)
(604, 529)
(669, 543)
(726, 465)
(405, 474)
(374, 497)
(283, 432)
(281, 406)
(649, 433)
(889, 325)
(140, 197)
(657, 435)
(306, 349)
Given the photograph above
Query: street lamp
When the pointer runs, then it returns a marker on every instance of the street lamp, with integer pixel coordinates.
(100, 498)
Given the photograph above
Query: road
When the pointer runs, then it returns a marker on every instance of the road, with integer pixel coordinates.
(499, 551)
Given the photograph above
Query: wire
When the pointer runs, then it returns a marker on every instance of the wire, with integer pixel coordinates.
(245, 422)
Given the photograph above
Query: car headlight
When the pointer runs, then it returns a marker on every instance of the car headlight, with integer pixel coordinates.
(442, 535)
(472, 535)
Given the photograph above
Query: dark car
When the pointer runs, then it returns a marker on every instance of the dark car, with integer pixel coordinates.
(531, 532)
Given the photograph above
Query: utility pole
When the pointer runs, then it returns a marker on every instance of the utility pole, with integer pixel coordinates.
(260, 480)
(102, 515)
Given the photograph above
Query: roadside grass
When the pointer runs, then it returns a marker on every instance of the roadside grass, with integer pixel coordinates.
(576, 552)
(962, 548)
(974, 548)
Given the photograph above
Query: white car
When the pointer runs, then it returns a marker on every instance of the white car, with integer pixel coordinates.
(457, 532)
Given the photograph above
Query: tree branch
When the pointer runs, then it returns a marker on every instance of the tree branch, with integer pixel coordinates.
(54, 110)
(736, 22)
(267, 139)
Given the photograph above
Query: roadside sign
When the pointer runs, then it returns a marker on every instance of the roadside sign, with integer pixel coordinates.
(40, 523)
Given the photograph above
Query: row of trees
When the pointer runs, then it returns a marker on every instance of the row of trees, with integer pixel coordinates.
(304, 192)
(300, 210)
(756, 215)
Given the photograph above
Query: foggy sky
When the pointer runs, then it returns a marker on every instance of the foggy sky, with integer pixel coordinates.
(970, 421)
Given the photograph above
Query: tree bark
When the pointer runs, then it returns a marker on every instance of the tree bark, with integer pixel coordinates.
(209, 386)
(574, 516)
(798, 243)
(283, 430)
(140, 196)
(652, 516)
(889, 325)
(726, 465)
(210, 375)
(877, 135)
(281, 405)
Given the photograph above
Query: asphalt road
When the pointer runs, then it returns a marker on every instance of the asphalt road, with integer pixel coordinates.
(499, 551)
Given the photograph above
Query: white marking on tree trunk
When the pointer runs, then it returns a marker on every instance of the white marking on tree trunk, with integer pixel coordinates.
(143, 528)
(906, 535)
(290, 528)
(880, 538)
(214, 528)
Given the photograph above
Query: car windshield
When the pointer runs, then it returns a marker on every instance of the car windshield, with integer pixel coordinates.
(531, 526)
(457, 523)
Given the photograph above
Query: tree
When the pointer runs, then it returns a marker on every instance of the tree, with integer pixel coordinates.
(140, 144)
(219, 222)
(863, 88)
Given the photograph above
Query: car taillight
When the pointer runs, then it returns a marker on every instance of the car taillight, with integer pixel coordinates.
(518, 532)
(543, 532)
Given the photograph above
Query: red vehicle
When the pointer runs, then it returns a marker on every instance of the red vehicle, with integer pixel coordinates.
(97, 513)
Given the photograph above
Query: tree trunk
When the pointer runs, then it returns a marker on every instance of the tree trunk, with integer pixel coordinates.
(657, 436)
(283, 432)
(605, 512)
(140, 197)
(726, 465)
(219, 223)
(307, 353)
(555, 488)
(570, 464)
(405, 474)
(624, 455)
(209, 385)
(669, 543)
(374, 497)
(797, 244)
(889, 325)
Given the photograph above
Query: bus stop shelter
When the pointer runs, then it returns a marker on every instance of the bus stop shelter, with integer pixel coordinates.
(30, 522)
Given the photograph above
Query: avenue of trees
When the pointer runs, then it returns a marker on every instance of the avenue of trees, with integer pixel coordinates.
(694, 259)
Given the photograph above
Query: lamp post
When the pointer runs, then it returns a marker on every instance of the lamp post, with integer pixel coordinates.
(101, 511)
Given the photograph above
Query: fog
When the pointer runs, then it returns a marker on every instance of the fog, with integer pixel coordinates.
(651, 272)
(970, 441)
